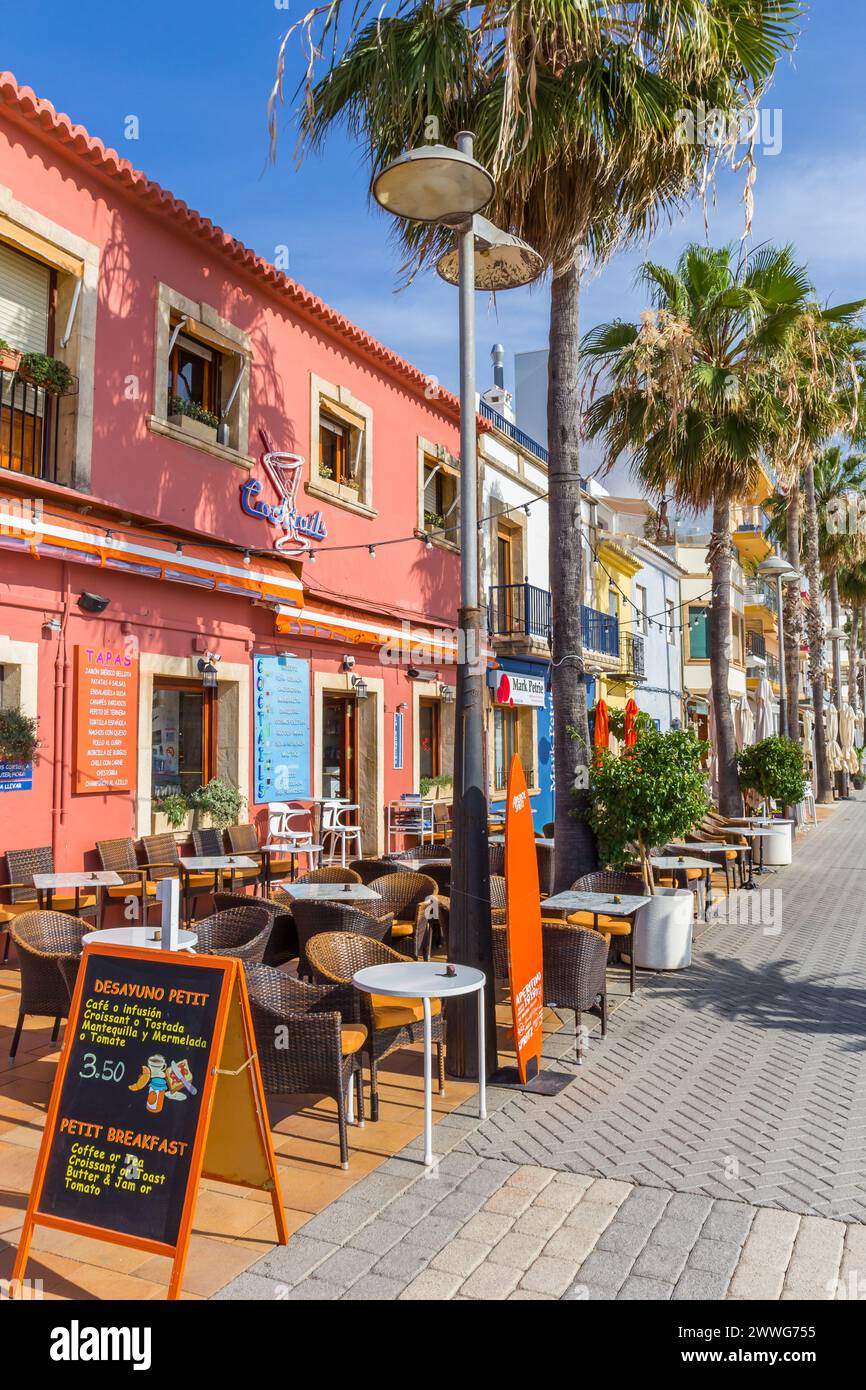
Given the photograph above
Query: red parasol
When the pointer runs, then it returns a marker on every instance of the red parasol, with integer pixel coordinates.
(601, 732)
(631, 713)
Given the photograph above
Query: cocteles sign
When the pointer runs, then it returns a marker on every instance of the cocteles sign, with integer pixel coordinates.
(514, 688)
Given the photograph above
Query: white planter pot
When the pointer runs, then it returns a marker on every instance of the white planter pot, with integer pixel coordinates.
(777, 847)
(663, 930)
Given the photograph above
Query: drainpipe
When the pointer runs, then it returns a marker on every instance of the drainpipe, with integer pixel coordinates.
(60, 678)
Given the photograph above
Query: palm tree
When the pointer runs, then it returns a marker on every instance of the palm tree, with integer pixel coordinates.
(851, 580)
(577, 106)
(688, 399)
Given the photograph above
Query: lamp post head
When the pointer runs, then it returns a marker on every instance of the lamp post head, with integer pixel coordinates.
(774, 567)
(502, 261)
(434, 183)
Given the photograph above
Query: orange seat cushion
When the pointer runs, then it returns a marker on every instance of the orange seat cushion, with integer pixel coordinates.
(132, 889)
(608, 926)
(403, 929)
(60, 902)
(352, 1037)
(399, 1013)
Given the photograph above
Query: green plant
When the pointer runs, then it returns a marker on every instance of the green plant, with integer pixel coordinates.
(774, 769)
(19, 737)
(222, 801)
(616, 722)
(48, 372)
(428, 783)
(178, 406)
(174, 806)
(651, 793)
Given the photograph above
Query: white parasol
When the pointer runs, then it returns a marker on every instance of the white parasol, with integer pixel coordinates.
(859, 729)
(850, 760)
(744, 722)
(834, 748)
(764, 722)
(714, 761)
(809, 737)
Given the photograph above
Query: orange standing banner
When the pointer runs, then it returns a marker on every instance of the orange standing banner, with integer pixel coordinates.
(523, 924)
(158, 1086)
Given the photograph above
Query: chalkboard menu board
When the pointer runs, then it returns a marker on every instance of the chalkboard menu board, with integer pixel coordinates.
(130, 1102)
(281, 705)
(106, 719)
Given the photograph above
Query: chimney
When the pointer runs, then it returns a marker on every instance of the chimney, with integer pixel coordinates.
(496, 395)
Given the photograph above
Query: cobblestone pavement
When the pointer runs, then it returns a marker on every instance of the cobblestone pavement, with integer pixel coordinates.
(485, 1229)
(710, 1147)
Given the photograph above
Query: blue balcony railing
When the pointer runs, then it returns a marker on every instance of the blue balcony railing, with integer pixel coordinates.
(600, 631)
(519, 610)
(505, 426)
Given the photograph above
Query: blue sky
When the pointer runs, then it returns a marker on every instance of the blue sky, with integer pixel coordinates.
(197, 76)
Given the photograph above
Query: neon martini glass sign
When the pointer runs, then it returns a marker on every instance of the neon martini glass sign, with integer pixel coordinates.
(284, 473)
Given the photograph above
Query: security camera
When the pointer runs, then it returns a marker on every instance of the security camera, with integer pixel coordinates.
(348, 663)
(93, 603)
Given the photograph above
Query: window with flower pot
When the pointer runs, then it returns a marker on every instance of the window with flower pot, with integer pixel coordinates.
(341, 447)
(184, 737)
(440, 498)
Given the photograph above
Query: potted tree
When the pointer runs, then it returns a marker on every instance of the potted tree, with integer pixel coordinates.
(193, 419)
(774, 770)
(19, 738)
(649, 794)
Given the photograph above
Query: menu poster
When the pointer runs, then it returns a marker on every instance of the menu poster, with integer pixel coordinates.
(158, 1085)
(523, 924)
(106, 719)
(281, 708)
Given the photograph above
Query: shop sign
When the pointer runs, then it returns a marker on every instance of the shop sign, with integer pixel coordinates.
(158, 1086)
(281, 724)
(284, 473)
(523, 924)
(16, 777)
(515, 688)
(106, 719)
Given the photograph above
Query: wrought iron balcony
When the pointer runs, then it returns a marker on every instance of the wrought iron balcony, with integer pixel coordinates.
(519, 610)
(600, 631)
(29, 428)
(631, 654)
(507, 427)
(755, 644)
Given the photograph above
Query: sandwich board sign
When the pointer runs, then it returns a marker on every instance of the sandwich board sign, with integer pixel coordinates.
(523, 924)
(158, 1085)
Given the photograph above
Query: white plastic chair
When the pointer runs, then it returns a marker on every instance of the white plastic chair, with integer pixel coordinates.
(283, 835)
(336, 829)
(807, 805)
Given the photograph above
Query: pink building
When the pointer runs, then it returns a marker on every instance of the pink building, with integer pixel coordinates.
(163, 608)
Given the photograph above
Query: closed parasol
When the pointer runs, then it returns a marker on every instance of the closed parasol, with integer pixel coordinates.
(601, 729)
(631, 713)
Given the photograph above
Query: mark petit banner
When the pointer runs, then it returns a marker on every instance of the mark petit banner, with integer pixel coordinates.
(158, 1086)
(106, 719)
(523, 924)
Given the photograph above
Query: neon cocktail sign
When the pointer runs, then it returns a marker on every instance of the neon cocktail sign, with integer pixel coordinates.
(284, 471)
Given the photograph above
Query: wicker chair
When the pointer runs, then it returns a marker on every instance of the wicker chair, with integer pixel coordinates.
(118, 856)
(406, 896)
(243, 839)
(369, 869)
(496, 858)
(42, 941)
(547, 830)
(303, 1044)
(574, 970)
(311, 918)
(610, 881)
(163, 861)
(283, 941)
(241, 932)
(211, 841)
(22, 865)
(390, 1022)
(331, 873)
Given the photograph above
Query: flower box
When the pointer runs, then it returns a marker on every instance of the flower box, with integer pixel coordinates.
(199, 429)
(10, 359)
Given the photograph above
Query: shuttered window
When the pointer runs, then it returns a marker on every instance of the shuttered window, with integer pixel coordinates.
(24, 291)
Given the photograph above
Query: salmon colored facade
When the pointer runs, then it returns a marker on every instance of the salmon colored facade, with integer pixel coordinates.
(117, 490)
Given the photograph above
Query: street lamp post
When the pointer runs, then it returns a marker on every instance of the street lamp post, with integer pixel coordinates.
(445, 186)
(774, 567)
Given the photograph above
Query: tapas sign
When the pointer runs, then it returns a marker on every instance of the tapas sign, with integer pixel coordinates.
(523, 925)
(158, 1086)
(106, 719)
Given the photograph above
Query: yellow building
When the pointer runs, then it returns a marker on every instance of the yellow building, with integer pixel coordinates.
(611, 647)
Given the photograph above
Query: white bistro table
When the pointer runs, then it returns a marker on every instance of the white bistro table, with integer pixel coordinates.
(611, 904)
(677, 864)
(328, 892)
(216, 864)
(426, 980)
(149, 937)
(97, 880)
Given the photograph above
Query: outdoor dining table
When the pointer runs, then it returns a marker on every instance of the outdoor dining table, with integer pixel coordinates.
(426, 980)
(407, 861)
(329, 892)
(97, 879)
(622, 905)
(292, 849)
(149, 937)
(677, 864)
(759, 833)
(215, 863)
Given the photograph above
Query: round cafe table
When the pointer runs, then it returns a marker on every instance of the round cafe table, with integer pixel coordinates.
(426, 980)
(139, 936)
